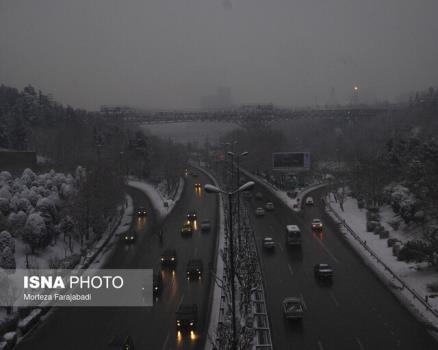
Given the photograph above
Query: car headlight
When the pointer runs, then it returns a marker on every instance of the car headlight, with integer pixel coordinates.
(178, 323)
(132, 237)
(156, 288)
(126, 237)
(173, 259)
(191, 323)
(162, 259)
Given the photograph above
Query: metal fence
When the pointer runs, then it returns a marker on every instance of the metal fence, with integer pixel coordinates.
(414, 294)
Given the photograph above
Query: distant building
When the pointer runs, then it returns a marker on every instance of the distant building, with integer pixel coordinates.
(222, 99)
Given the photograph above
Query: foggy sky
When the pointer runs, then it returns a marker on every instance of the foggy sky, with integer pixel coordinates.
(169, 53)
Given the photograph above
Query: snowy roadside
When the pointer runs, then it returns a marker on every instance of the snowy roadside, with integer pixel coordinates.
(162, 202)
(408, 281)
(292, 203)
(218, 270)
(96, 258)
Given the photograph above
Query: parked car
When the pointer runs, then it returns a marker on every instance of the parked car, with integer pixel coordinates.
(168, 257)
(141, 211)
(260, 211)
(194, 269)
(323, 271)
(309, 201)
(130, 237)
(268, 243)
(293, 308)
(316, 225)
(269, 206)
(205, 225)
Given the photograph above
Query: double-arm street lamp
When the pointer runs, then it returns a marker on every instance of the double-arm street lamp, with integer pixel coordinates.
(213, 189)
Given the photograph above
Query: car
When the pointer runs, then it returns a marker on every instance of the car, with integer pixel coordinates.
(259, 196)
(323, 271)
(269, 206)
(168, 257)
(187, 228)
(260, 211)
(205, 225)
(157, 284)
(186, 318)
(268, 243)
(309, 201)
(197, 186)
(191, 216)
(293, 308)
(194, 269)
(130, 237)
(141, 211)
(119, 342)
(316, 225)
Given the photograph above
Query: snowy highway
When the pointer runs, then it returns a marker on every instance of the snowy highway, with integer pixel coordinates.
(150, 327)
(356, 312)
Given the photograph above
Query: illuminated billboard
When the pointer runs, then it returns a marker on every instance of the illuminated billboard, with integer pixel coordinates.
(291, 161)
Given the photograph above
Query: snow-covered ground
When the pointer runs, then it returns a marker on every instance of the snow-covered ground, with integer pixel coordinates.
(157, 196)
(292, 203)
(416, 276)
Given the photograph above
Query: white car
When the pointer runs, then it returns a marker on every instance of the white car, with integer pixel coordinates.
(309, 201)
(268, 243)
(260, 211)
(269, 206)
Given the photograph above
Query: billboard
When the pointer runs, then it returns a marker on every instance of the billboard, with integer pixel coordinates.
(291, 161)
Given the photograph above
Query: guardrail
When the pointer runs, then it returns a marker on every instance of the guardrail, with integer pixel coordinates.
(414, 294)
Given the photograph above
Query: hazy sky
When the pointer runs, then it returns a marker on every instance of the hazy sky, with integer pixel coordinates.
(169, 53)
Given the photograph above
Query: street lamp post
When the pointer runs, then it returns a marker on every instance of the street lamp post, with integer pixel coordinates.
(213, 189)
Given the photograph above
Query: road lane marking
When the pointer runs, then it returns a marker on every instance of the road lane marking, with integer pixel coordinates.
(290, 269)
(327, 250)
(165, 341)
(320, 345)
(334, 298)
(360, 344)
(180, 301)
(304, 303)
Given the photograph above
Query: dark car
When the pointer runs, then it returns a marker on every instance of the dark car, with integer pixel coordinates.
(323, 271)
(191, 216)
(141, 211)
(130, 237)
(121, 343)
(168, 257)
(316, 225)
(186, 317)
(194, 269)
(157, 284)
(187, 228)
(205, 225)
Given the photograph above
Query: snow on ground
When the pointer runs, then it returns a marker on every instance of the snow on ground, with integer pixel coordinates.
(109, 242)
(292, 203)
(415, 276)
(157, 198)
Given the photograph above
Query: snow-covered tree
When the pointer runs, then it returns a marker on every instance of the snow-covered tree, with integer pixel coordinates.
(35, 232)
(6, 240)
(7, 259)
